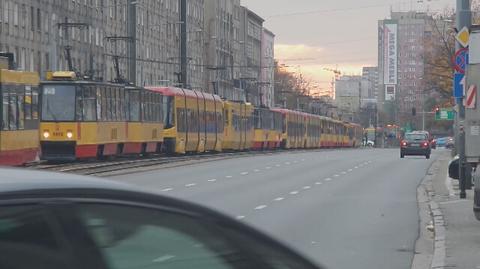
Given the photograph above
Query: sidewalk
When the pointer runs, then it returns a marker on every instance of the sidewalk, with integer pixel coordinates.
(450, 222)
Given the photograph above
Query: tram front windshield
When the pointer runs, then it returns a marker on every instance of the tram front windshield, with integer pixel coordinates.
(58, 103)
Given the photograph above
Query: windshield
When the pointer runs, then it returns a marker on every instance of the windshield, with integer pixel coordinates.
(58, 103)
(415, 137)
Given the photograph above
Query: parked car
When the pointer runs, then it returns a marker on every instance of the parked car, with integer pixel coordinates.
(55, 221)
(442, 141)
(415, 143)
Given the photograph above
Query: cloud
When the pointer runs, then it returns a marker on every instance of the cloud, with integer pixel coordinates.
(311, 62)
(286, 53)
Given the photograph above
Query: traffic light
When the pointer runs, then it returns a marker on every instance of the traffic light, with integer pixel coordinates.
(414, 111)
(437, 112)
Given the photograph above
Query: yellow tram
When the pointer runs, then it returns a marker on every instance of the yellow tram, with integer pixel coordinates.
(19, 143)
(88, 119)
(194, 120)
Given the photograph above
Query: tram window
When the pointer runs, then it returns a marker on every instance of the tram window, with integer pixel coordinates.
(122, 105)
(134, 102)
(12, 112)
(89, 104)
(79, 105)
(5, 108)
(168, 111)
(28, 102)
(99, 102)
(110, 106)
(103, 103)
(35, 103)
(21, 112)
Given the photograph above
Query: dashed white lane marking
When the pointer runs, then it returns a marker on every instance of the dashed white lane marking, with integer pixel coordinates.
(268, 167)
(356, 167)
(294, 192)
(295, 161)
(260, 207)
(350, 170)
(302, 160)
(167, 189)
(318, 183)
(256, 170)
(228, 176)
(212, 180)
(190, 185)
(244, 173)
(336, 175)
(287, 163)
(240, 217)
(344, 173)
(307, 187)
(278, 165)
(278, 199)
(329, 179)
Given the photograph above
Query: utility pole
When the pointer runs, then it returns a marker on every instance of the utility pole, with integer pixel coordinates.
(183, 43)
(132, 45)
(463, 19)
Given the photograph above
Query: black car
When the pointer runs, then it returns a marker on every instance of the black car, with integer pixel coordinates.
(415, 144)
(58, 221)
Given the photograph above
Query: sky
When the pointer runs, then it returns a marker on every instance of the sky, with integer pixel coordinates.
(336, 34)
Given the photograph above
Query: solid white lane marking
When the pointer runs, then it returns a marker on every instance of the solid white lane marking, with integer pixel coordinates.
(228, 176)
(329, 179)
(260, 207)
(240, 217)
(268, 167)
(167, 189)
(307, 187)
(244, 173)
(256, 170)
(294, 192)
(278, 199)
(318, 183)
(190, 185)
(212, 180)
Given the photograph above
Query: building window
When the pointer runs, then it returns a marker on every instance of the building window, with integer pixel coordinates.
(32, 18)
(39, 20)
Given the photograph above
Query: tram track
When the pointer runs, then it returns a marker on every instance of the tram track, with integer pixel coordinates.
(125, 165)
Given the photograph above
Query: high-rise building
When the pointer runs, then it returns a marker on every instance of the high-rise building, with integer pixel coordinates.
(401, 64)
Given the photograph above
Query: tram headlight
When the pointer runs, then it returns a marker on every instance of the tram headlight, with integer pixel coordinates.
(69, 134)
(46, 134)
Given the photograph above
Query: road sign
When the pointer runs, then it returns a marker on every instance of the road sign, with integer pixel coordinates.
(471, 97)
(460, 60)
(463, 37)
(459, 85)
(445, 114)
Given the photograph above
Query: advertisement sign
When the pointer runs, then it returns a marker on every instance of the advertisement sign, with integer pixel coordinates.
(390, 92)
(390, 39)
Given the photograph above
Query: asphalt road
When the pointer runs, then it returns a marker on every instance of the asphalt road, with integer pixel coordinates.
(342, 208)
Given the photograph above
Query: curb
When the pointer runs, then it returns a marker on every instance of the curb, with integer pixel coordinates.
(439, 252)
(433, 215)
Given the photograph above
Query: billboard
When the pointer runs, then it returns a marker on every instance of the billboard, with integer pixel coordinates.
(390, 47)
(390, 92)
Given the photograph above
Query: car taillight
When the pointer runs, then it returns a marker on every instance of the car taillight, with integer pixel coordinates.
(425, 144)
(404, 144)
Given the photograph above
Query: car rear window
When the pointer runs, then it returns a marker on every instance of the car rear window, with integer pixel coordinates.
(415, 136)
